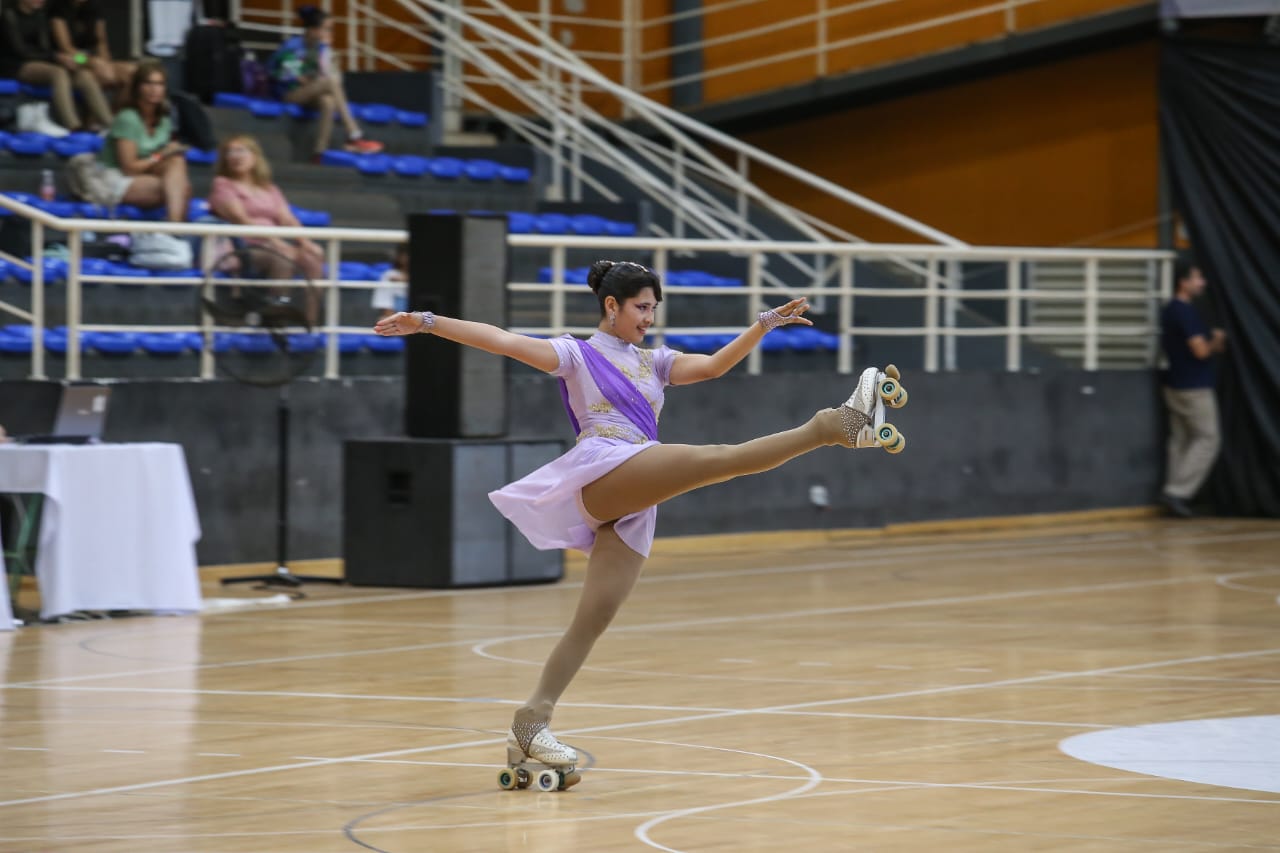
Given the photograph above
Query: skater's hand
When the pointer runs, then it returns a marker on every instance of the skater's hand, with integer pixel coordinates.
(399, 323)
(793, 312)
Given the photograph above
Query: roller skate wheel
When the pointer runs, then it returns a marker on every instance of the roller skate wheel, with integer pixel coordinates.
(547, 780)
(889, 390)
(892, 372)
(571, 778)
(899, 401)
(523, 779)
(889, 438)
(507, 779)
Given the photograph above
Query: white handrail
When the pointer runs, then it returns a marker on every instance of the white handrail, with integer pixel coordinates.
(935, 328)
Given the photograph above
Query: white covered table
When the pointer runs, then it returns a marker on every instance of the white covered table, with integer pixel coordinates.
(119, 528)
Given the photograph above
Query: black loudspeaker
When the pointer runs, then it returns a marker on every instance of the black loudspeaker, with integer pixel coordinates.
(457, 267)
(416, 513)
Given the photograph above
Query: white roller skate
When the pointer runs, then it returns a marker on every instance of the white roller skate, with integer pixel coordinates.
(863, 413)
(535, 757)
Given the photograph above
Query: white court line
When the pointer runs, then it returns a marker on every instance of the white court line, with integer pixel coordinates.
(357, 697)
(637, 724)
(478, 648)
(617, 629)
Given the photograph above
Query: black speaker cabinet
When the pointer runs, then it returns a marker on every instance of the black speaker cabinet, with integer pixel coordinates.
(457, 267)
(416, 513)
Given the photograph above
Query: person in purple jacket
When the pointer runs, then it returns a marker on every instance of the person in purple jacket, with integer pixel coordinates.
(601, 496)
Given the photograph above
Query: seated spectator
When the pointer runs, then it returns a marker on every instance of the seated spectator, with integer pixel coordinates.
(243, 193)
(80, 31)
(27, 52)
(144, 166)
(394, 295)
(302, 72)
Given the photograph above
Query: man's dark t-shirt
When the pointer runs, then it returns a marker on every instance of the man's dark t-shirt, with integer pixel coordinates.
(82, 21)
(1180, 322)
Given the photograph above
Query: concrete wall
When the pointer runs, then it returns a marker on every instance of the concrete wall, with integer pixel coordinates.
(979, 444)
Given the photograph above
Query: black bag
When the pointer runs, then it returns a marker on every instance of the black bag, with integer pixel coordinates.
(191, 123)
(211, 61)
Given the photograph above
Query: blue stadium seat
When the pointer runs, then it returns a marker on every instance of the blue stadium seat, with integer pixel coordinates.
(587, 224)
(356, 271)
(111, 343)
(198, 208)
(4, 270)
(312, 218)
(577, 275)
(298, 112)
(349, 343)
(17, 330)
(88, 210)
(519, 222)
(384, 346)
(481, 171)
(515, 174)
(9, 87)
(28, 144)
(265, 109)
(376, 114)
(222, 341)
(92, 141)
(40, 93)
(621, 229)
(68, 147)
(201, 157)
(552, 223)
(302, 343)
(374, 164)
(231, 100)
(410, 166)
(337, 157)
(446, 168)
(408, 118)
(14, 344)
(60, 209)
(164, 343)
(779, 341)
(253, 344)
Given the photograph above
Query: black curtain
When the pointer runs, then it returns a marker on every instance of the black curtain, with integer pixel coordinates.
(1220, 131)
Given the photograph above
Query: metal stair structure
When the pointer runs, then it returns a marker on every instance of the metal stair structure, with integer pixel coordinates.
(1125, 289)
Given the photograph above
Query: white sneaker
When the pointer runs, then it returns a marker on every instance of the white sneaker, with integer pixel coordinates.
(34, 118)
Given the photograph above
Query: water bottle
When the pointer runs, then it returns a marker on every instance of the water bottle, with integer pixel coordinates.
(48, 190)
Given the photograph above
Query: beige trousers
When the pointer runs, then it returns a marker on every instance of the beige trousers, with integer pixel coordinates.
(1193, 439)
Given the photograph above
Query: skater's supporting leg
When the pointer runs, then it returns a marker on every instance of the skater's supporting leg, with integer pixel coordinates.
(666, 470)
(612, 571)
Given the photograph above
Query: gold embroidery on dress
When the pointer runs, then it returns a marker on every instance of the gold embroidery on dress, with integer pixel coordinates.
(600, 408)
(612, 431)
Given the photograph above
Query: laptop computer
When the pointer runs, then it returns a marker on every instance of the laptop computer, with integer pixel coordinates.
(82, 415)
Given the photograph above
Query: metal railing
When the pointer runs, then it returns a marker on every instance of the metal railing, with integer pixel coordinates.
(619, 38)
(936, 291)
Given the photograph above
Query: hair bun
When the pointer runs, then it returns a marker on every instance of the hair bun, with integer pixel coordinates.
(597, 273)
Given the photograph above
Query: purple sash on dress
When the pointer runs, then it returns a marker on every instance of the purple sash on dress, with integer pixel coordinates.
(621, 393)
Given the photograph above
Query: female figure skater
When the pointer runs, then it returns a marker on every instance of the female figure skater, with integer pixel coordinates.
(601, 497)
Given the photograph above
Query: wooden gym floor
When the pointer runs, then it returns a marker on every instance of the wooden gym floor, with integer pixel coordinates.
(920, 689)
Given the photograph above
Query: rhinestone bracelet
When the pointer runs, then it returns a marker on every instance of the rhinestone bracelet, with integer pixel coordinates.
(428, 322)
(771, 320)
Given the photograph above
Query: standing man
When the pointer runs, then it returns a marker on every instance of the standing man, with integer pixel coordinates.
(1189, 347)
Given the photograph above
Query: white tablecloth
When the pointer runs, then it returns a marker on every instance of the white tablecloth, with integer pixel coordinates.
(119, 529)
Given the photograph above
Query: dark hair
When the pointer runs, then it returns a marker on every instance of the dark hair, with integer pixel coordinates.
(312, 16)
(1182, 268)
(146, 68)
(622, 280)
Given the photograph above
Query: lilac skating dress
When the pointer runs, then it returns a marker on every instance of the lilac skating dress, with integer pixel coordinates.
(547, 505)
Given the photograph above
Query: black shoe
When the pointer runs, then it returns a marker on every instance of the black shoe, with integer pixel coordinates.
(1176, 506)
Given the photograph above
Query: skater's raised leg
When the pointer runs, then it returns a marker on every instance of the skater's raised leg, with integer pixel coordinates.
(666, 470)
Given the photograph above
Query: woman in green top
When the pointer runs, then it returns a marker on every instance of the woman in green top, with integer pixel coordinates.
(144, 167)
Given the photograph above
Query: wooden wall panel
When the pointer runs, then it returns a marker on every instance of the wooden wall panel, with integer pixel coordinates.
(964, 23)
(1052, 155)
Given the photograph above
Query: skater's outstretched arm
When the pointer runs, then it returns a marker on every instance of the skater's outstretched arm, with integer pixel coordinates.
(535, 352)
(692, 367)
